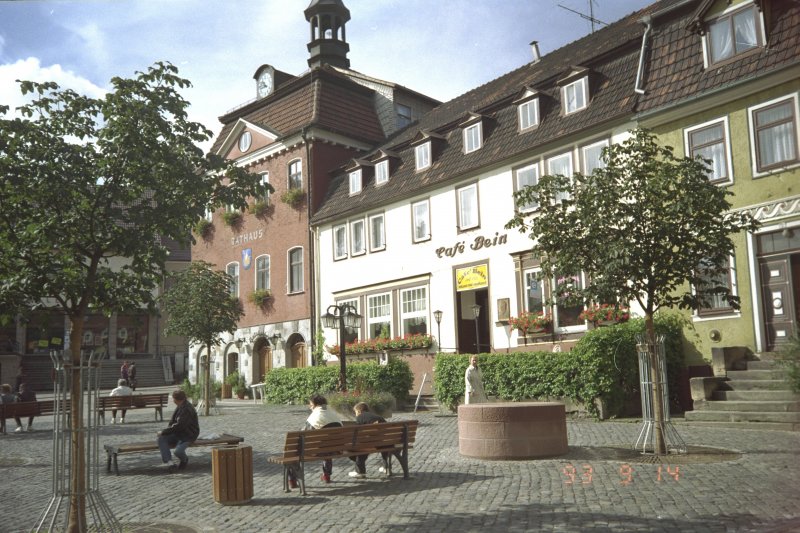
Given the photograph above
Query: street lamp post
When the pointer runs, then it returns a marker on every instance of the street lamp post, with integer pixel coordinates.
(476, 311)
(342, 316)
(437, 315)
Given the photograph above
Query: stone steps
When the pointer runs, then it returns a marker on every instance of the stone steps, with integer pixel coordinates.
(757, 393)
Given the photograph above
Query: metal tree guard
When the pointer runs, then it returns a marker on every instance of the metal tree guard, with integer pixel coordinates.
(98, 514)
(646, 440)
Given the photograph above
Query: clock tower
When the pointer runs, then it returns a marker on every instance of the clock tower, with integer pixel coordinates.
(265, 80)
(328, 40)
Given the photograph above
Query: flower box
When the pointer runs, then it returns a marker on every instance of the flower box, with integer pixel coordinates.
(605, 314)
(532, 323)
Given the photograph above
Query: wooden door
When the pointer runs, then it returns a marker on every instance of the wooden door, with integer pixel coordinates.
(299, 355)
(778, 297)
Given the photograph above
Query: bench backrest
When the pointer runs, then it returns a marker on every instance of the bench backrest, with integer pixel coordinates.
(20, 409)
(328, 442)
(135, 400)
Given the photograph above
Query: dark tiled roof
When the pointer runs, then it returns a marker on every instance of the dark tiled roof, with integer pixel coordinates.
(675, 67)
(611, 55)
(322, 97)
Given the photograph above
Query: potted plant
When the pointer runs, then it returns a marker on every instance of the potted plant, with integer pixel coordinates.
(203, 228)
(233, 218)
(259, 208)
(240, 387)
(260, 297)
(293, 197)
(604, 314)
(531, 322)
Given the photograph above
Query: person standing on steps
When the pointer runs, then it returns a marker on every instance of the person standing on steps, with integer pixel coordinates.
(132, 375)
(123, 371)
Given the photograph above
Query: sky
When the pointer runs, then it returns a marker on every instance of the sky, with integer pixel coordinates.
(442, 48)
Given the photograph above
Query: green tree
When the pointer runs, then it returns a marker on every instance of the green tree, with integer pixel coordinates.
(639, 228)
(200, 307)
(89, 190)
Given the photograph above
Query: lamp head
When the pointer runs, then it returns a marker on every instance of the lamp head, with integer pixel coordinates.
(437, 315)
(476, 310)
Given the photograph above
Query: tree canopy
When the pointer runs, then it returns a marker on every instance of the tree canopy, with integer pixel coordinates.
(639, 228)
(90, 190)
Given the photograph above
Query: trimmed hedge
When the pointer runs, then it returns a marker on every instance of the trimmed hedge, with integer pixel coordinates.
(296, 385)
(603, 366)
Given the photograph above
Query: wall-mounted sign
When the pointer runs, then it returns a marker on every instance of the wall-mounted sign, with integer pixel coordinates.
(474, 277)
(478, 243)
(247, 237)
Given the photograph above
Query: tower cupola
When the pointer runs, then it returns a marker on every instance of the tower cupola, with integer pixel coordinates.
(328, 45)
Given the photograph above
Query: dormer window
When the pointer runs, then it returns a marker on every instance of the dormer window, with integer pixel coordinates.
(473, 138)
(575, 95)
(732, 34)
(422, 155)
(528, 114)
(355, 181)
(382, 172)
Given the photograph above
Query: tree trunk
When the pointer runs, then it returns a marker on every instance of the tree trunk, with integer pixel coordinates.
(207, 377)
(77, 497)
(655, 378)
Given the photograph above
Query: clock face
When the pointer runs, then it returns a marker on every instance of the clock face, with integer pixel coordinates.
(264, 84)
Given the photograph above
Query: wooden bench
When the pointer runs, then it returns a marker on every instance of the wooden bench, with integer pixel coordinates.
(137, 401)
(114, 450)
(27, 409)
(352, 440)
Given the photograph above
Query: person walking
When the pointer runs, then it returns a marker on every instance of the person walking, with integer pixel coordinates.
(123, 371)
(121, 390)
(183, 429)
(132, 375)
(473, 381)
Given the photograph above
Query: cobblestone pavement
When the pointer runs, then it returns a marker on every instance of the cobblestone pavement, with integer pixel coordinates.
(596, 487)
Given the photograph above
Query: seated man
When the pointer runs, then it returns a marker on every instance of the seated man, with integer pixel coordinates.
(183, 430)
(365, 416)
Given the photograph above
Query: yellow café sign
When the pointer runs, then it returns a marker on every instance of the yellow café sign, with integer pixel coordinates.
(474, 277)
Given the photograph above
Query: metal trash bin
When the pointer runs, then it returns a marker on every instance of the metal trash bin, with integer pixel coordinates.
(232, 474)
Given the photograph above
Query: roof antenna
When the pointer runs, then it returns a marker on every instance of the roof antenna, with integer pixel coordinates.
(589, 17)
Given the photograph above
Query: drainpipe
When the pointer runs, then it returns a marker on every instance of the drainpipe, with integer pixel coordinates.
(312, 249)
(648, 22)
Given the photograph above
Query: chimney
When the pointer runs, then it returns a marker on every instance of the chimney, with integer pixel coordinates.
(535, 51)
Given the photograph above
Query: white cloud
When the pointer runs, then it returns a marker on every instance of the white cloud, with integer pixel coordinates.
(30, 69)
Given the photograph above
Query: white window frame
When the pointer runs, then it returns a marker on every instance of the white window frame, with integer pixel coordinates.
(350, 331)
(358, 237)
(571, 171)
(377, 241)
(355, 182)
(294, 172)
(382, 172)
(708, 313)
(530, 275)
(603, 143)
(232, 269)
(245, 141)
(376, 318)
(473, 137)
(581, 326)
(528, 112)
(425, 218)
(262, 274)
(405, 115)
(518, 185)
(209, 214)
(463, 223)
(581, 91)
(294, 286)
(415, 308)
(727, 179)
(422, 155)
(759, 171)
(729, 15)
(339, 238)
(264, 181)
